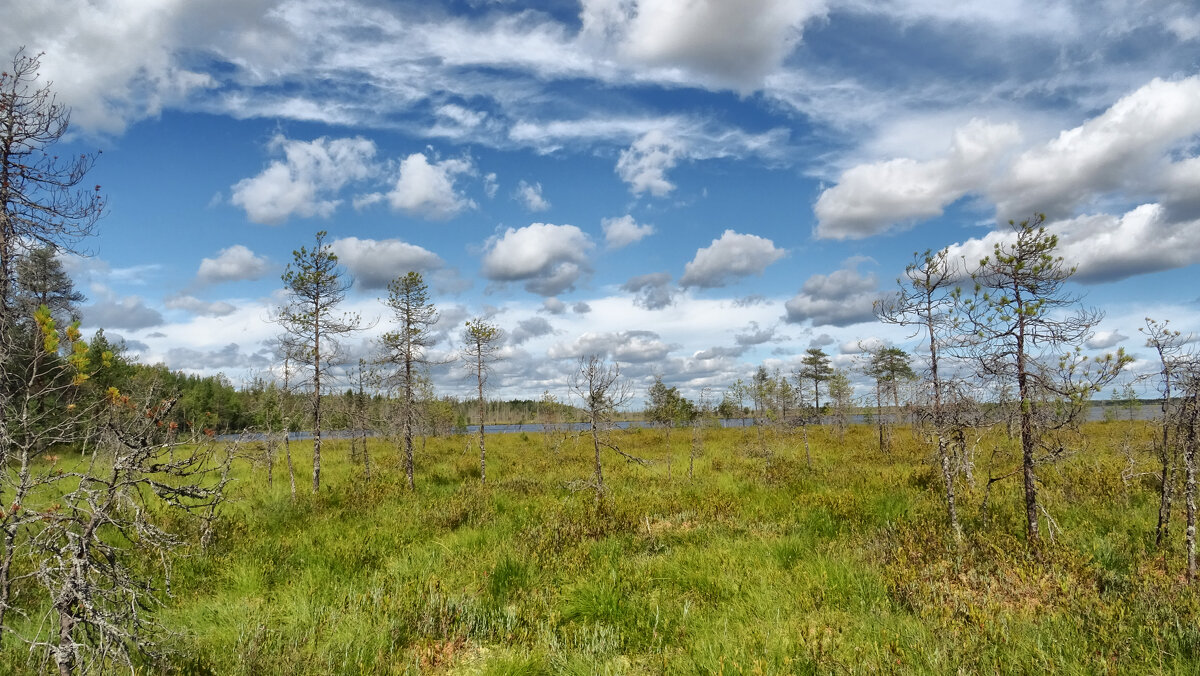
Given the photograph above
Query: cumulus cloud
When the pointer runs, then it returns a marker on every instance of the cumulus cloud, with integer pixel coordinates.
(751, 300)
(305, 182)
(729, 257)
(635, 347)
(428, 190)
(651, 291)
(375, 263)
(721, 353)
(822, 340)
(1109, 152)
(199, 307)
(841, 298)
(755, 335)
(121, 313)
(126, 344)
(530, 195)
(733, 45)
(1108, 248)
(1130, 151)
(862, 346)
(623, 231)
(228, 357)
(644, 164)
(548, 258)
(528, 329)
(553, 306)
(873, 198)
(1102, 340)
(581, 308)
(233, 264)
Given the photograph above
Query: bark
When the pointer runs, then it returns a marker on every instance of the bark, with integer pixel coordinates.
(1190, 487)
(482, 446)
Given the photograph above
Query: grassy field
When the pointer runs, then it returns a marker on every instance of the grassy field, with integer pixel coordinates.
(759, 564)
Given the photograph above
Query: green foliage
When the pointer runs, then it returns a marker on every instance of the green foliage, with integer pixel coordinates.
(841, 564)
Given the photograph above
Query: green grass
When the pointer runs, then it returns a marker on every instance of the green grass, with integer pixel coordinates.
(758, 565)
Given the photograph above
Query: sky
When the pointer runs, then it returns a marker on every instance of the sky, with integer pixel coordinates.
(688, 188)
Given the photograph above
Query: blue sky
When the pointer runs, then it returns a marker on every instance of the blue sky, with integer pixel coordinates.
(690, 188)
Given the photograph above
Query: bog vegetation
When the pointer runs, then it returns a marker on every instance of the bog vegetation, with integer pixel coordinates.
(977, 522)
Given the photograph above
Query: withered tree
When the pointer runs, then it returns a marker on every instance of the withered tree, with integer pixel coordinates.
(926, 300)
(603, 392)
(1026, 324)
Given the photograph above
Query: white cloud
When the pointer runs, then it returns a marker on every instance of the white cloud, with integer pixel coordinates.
(428, 190)
(549, 258)
(530, 195)
(873, 198)
(130, 312)
(755, 335)
(1128, 152)
(375, 263)
(651, 291)
(623, 231)
(232, 264)
(1102, 340)
(626, 346)
(117, 61)
(731, 256)
(841, 298)
(305, 182)
(1112, 151)
(528, 329)
(553, 306)
(1109, 248)
(461, 116)
(228, 357)
(490, 185)
(644, 164)
(199, 307)
(731, 44)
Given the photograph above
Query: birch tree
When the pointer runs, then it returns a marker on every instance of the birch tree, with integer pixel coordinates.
(1168, 345)
(926, 300)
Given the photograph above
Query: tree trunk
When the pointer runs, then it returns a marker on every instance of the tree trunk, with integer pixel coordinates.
(482, 447)
(879, 416)
(596, 446)
(409, 405)
(317, 403)
(287, 449)
(1027, 441)
(1190, 487)
(1167, 487)
(807, 451)
(696, 441)
(64, 652)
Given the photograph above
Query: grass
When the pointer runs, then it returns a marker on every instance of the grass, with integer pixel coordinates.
(758, 565)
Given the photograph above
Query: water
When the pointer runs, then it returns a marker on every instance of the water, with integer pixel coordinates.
(1095, 414)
